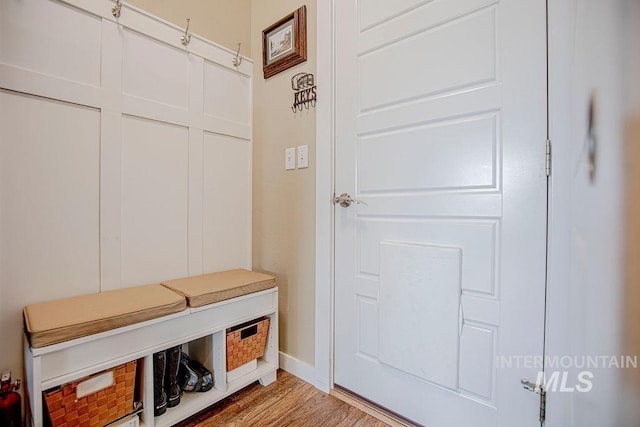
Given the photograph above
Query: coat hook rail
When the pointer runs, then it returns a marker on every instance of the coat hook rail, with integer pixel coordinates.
(238, 59)
(115, 10)
(187, 37)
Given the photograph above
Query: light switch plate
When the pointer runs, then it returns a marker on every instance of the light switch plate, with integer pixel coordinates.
(303, 156)
(290, 159)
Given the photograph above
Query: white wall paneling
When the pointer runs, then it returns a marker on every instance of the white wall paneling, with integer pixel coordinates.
(226, 208)
(126, 157)
(163, 80)
(49, 204)
(154, 200)
(33, 40)
(225, 94)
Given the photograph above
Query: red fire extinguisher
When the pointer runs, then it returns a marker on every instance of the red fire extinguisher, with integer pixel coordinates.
(10, 404)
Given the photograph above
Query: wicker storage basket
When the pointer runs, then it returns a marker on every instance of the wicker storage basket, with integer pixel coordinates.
(95, 409)
(246, 342)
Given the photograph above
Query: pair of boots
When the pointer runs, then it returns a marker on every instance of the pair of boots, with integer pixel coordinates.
(166, 390)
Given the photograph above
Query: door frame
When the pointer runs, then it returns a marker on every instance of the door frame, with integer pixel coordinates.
(325, 148)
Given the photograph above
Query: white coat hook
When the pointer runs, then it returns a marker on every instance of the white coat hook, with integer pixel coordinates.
(115, 10)
(238, 59)
(187, 37)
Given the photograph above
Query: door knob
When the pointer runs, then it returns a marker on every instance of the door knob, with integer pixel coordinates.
(345, 200)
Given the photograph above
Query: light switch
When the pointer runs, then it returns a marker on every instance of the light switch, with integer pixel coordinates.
(303, 156)
(290, 158)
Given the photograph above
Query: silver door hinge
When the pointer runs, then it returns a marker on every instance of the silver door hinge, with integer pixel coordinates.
(539, 390)
(548, 158)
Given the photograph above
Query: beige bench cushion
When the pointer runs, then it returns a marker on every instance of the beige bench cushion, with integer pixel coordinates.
(215, 287)
(62, 320)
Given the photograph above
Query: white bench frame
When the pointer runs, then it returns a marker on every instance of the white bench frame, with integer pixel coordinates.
(203, 327)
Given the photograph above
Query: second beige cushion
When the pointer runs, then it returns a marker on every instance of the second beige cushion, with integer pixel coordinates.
(215, 287)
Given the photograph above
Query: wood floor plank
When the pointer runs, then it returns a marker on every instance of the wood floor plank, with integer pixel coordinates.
(287, 402)
(268, 406)
(321, 407)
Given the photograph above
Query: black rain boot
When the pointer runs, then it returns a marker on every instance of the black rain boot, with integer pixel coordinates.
(159, 395)
(171, 385)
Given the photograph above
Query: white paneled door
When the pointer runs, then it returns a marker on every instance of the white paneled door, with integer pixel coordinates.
(440, 270)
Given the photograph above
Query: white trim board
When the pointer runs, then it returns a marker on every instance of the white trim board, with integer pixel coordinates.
(324, 206)
(298, 368)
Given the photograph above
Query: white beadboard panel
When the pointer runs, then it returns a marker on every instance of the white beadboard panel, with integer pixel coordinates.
(48, 37)
(477, 355)
(469, 60)
(49, 214)
(226, 203)
(474, 239)
(154, 70)
(226, 93)
(419, 308)
(154, 201)
(412, 158)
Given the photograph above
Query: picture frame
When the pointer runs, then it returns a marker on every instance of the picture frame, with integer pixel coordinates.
(284, 44)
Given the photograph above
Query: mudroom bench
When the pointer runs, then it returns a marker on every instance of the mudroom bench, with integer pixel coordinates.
(193, 312)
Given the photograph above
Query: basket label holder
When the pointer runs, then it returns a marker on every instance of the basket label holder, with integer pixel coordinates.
(249, 331)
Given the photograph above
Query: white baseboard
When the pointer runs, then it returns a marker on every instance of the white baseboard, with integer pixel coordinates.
(296, 367)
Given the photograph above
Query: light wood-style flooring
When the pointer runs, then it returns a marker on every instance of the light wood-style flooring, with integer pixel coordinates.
(287, 402)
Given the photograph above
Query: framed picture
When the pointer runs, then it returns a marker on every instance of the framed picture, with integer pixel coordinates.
(284, 44)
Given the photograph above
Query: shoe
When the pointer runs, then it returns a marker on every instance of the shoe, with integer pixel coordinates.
(171, 386)
(159, 395)
(204, 373)
(190, 379)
